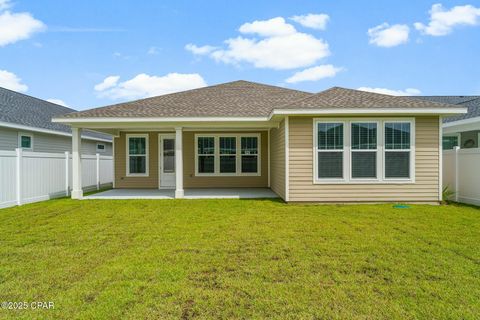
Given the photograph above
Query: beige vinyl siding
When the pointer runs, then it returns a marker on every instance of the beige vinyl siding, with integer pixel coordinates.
(191, 181)
(51, 143)
(301, 162)
(121, 179)
(277, 164)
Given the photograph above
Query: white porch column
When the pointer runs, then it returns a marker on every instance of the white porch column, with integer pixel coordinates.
(77, 192)
(179, 163)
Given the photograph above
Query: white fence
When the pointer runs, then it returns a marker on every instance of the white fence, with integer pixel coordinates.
(461, 173)
(33, 176)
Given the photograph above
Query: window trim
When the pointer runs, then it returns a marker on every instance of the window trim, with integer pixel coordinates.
(216, 155)
(237, 164)
(101, 150)
(316, 151)
(209, 155)
(25, 134)
(456, 135)
(127, 154)
(411, 151)
(376, 150)
(347, 167)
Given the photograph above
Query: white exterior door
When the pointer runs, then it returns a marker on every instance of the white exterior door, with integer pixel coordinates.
(166, 157)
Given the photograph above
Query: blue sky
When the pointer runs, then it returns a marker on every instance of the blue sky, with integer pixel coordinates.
(94, 53)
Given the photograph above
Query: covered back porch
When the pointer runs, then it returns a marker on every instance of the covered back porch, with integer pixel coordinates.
(198, 193)
(213, 159)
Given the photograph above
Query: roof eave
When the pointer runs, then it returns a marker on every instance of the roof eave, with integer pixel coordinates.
(313, 112)
(48, 131)
(370, 111)
(156, 119)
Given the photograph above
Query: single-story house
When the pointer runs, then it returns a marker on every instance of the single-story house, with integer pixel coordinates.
(338, 145)
(26, 122)
(461, 130)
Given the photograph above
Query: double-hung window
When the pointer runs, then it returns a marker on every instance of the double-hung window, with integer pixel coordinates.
(363, 150)
(249, 154)
(397, 150)
(227, 155)
(330, 150)
(137, 155)
(206, 154)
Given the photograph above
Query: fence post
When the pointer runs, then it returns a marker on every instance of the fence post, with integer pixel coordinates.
(456, 149)
(98, 171)
(67, 173)
(18, 175)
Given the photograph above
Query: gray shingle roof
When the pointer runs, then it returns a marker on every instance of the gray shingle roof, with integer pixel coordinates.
(232, 99)
(472, 103)
(249, 99)
(25, 110)
(337, 97)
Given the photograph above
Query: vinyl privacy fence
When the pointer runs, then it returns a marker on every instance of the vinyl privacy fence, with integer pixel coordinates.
(461, 174)
(33, 176)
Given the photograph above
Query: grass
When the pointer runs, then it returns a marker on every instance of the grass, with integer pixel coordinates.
(206, 259)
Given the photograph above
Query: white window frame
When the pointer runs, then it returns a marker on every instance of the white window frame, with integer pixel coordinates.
(411, 151)
(376, 150)
(216, 154)
(197, 155)
(237, 163)
(347, 150)
(101, 150)
(456, 135)
(316, 151)
(127, 153)
(25, 134)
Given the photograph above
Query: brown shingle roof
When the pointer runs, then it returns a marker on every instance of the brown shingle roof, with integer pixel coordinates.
(337, 97)
(249, 99)
(232, 99)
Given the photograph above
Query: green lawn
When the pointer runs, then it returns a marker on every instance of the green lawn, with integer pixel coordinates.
(148, 259)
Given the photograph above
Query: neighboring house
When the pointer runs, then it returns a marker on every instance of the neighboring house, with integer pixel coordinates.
(25, 122)
(460, 130)
(339, 145)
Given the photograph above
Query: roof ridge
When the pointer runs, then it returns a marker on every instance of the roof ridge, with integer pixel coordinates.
(400, 98)
(403, 97)
(302, 99)
(189, 90)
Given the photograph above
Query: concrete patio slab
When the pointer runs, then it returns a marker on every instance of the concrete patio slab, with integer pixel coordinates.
(213, 193)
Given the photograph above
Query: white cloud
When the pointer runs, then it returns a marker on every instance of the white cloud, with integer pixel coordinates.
(279, 47)
(314, 73)
(5, 4)
(17, 26)
(107, 83)
(144, 85)
(314, 21)
(385, 35)
(199, 50)
(268, 28)
(58, 101)
(443, 21)
(10, 81)
(406, 92)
